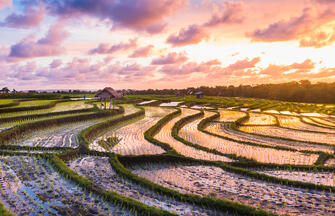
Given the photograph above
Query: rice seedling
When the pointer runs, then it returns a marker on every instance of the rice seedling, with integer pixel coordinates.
(100, 172)
(29, 185)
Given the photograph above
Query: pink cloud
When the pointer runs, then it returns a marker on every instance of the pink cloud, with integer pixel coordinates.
(325, 1)
(32, 17)
(231, 14)
(5, 3)
(56, 63)
(156, 28)
(285, 29)
(171, 58)
(294, 28)
(298, 68)
(50, 45)
(141, 52)
(134, 14)
(193, 34)
(109, 49)
(213, 62)
(242, 64)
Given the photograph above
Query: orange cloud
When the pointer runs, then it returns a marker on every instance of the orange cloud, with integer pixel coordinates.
(318, 40)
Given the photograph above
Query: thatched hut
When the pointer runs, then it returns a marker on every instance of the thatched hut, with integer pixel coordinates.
(199, 94)
(107, 94)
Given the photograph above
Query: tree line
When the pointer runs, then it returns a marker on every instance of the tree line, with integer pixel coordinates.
(302, 91)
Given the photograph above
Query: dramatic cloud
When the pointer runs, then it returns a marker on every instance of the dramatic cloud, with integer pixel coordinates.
(135, 14)
(142, 52)
(5, 3)
(293, 28)
(30, 18)
(231, 14)
(50, 45)
(193, 34)
(171, 58)
(285, 29)
(109, 49)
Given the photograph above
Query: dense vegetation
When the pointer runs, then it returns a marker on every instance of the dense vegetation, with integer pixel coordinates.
(302, 91)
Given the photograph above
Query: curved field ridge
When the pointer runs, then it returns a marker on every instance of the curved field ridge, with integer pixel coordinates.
(226, 130)
(286, 133)
(60, 106)
(319, 178)
(65, 135)
(165, 136)
(101, 173)
(229, 115)
(260, 119)
(29, 185)
(131, 135)
(293, 122)
(191, 133)
(215, 182)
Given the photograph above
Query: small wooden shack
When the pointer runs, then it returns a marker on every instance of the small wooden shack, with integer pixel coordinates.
(107, 94)
(199, 94)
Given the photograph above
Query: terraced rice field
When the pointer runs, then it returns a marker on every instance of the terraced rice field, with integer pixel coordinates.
(132, 141)
(226, 130)
(305, 136)
(264, 155)
(86, 164)
(165, 136)
(330, 122)
(59, 107)
(319, 178)
(99, 171)
(230, 115)
(215, 182)
(260, 119)
(32, 103)
(296, 123)
(9, 125)
(30, 186)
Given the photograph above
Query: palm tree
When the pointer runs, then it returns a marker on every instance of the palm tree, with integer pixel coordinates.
(5, 90)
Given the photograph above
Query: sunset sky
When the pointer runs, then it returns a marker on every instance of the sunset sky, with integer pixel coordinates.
(141, 44)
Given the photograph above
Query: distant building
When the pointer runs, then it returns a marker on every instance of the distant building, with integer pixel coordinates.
(107, 94)
(180, 93)
(199, 94)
